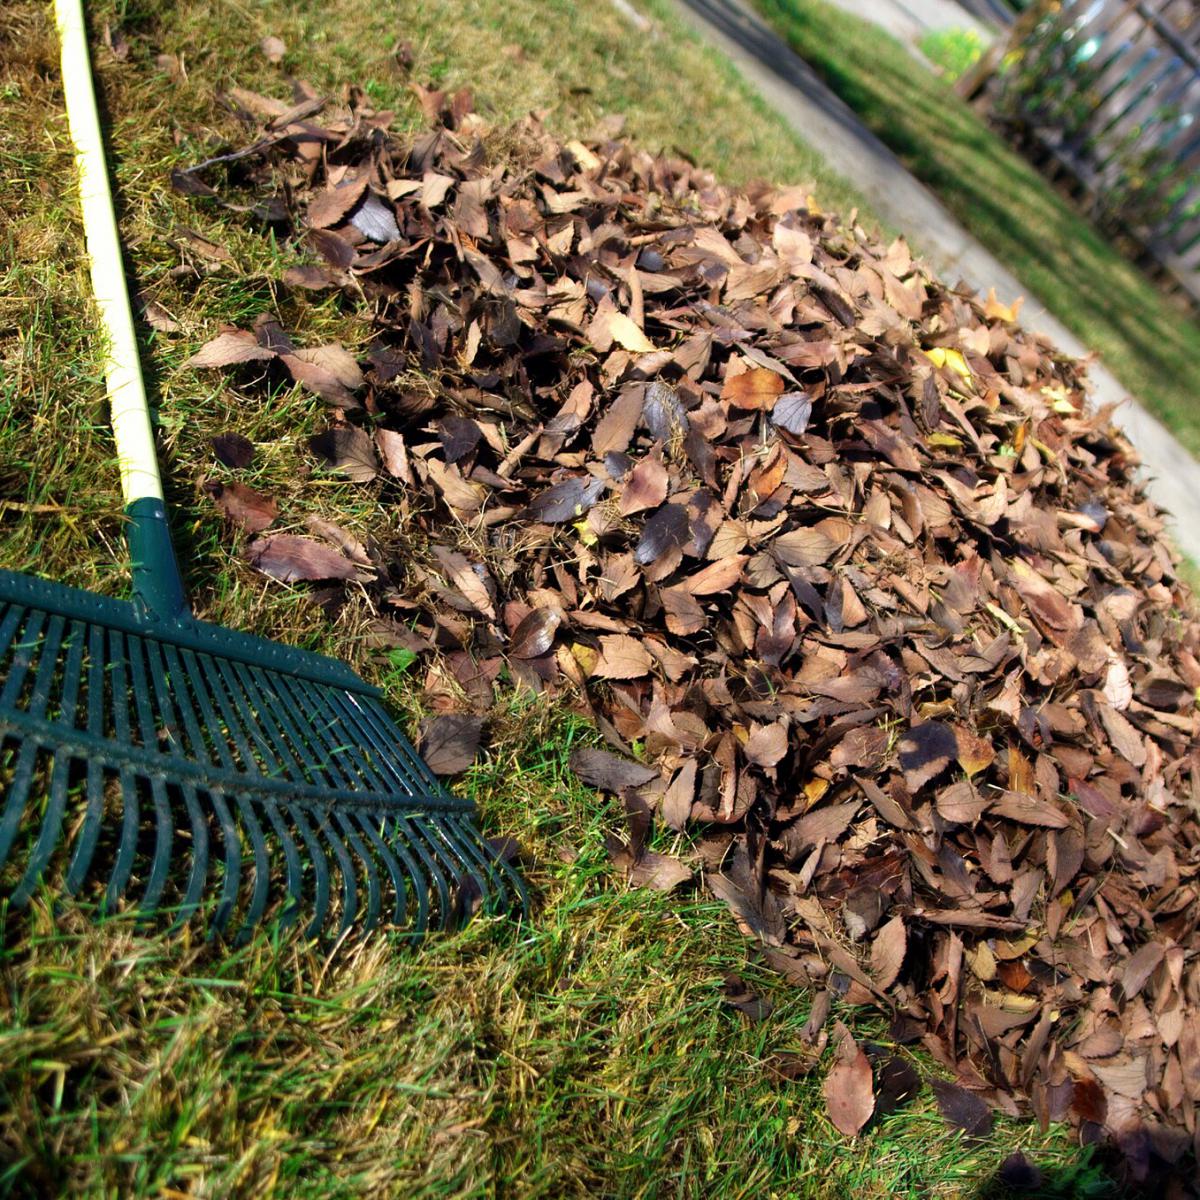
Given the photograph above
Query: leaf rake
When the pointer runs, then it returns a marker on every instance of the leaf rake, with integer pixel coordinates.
(133, 736)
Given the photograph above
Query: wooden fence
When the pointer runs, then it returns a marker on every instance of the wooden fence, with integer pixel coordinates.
(1111, 90)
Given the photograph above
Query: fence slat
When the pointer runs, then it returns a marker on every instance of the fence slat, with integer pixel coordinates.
(1110, 89)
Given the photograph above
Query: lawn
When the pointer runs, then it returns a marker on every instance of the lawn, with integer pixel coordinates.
(1148, 342)
(589, 1053)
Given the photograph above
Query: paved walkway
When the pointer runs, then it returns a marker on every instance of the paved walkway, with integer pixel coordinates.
(802, 99)
(909, 20)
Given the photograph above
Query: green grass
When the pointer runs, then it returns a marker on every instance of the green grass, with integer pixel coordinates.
(953, 51)
(588, 1054)
(1148, 342)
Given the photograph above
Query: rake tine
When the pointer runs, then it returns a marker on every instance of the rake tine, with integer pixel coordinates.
(392, 864)
(364, 717)
(164, 836)
(420, 887)
(496, 872)
(462, 867)
(183, 686)
(446, 907)
(163, 817)
(295, 869)
(130, 809)
(342, 755)
(38, 654)
(374, 892)
(211, 729)
(52, 819)
(198, 874)
(211, 679)
(8, 626)
(346, 866)
(18, 793)
(287, 742)
(123, 866)
(231, 880)
(89, 833)
(262, 871)
(339, 759)
(219, 671)
(321, 880)
(24, 654)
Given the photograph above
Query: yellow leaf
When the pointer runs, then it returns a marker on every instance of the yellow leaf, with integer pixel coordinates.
(1043, 450)
(586, 656)
(1005, 620)
(995, 311)
(625, 333)
(982, 962)
(944, 356)
(583, 156)
(1059, 400)
(814, 789)
(946, 440)
(1010, 948)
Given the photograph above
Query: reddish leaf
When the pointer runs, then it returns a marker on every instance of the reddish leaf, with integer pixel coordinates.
(925, 752)
(887, 952)
(289, 558)
(610, 772)
(243, 505)
(394, 453)
(331, 206)
(646, 487)
(849, 1096)
(767, 745)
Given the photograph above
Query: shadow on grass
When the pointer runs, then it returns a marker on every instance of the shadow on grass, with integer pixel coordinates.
(1144, 1165)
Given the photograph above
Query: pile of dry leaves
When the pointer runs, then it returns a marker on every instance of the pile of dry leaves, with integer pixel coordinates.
(834, 543)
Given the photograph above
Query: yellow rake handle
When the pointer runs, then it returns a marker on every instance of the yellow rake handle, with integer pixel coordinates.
(122, 369)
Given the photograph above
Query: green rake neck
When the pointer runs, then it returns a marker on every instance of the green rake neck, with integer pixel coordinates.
(157, 584)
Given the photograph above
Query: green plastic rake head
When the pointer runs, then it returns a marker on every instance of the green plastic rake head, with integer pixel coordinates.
(189, 767)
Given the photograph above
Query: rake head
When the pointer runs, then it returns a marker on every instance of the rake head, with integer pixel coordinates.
(204, 768)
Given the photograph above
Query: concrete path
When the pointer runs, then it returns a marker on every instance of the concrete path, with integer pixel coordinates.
(909, 20)
(792, 87)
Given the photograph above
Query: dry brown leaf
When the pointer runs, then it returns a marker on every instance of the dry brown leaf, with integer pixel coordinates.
(289, 558)
(228, 349)
(622, 657)
(756, 388)
(347, 449)
(645, 487)
(887, 952)
(273, 48)
(243, 505)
